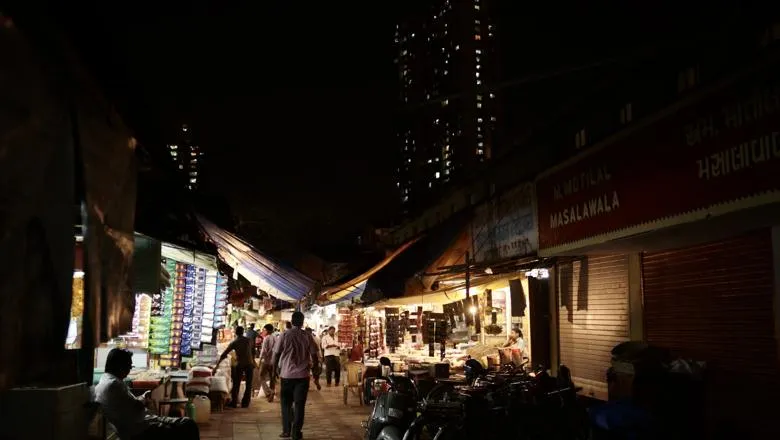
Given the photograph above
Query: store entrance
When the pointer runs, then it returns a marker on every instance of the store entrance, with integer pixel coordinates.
(539, 299)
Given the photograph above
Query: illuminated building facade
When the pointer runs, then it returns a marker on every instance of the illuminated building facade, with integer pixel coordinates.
(447, 69)
(187, 157)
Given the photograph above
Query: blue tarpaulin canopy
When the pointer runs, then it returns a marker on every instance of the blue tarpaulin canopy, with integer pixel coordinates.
(261, 270)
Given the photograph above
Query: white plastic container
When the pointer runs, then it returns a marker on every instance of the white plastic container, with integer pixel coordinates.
(202, 409)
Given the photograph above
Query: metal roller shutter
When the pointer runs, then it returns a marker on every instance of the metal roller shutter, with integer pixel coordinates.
(593, 317)
(714, 302)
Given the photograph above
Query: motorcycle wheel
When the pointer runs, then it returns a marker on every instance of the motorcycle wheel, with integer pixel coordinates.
(390, 433)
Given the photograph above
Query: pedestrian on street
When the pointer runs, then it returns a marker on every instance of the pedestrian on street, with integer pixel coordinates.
(316, 369)
(244, 368)
(332, 357)
(267, 369)
(295, 352)
(251, 334)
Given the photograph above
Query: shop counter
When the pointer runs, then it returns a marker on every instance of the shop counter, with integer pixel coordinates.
(141, 381)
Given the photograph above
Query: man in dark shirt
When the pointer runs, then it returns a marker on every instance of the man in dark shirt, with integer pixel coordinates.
(244, 367)
(251, 334)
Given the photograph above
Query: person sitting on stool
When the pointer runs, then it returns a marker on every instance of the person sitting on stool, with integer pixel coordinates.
(128, 413)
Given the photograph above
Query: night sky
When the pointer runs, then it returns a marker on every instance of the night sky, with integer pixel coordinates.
(292, 101)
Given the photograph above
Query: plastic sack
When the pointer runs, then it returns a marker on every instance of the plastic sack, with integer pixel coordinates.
(219, 384)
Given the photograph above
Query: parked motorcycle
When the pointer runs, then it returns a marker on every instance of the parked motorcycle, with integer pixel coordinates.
(513, 402)
(393, 411)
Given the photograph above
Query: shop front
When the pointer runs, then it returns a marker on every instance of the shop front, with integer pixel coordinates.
(447, 326)
(344, 305)
(458, 291)
(503, 245)
(675, 221)
(592, 294)
(180, 304)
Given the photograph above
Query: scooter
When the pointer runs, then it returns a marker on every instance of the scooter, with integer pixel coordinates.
(393, 411)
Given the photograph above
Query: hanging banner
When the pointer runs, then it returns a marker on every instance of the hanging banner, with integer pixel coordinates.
(506, 227)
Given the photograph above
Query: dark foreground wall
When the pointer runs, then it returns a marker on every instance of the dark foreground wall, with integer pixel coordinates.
(60, 145)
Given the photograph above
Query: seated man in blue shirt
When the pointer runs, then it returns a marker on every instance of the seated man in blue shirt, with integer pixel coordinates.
(128, 413)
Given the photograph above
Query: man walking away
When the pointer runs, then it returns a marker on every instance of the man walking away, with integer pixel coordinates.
(267, 369)
(245, 365)
(332, 356)
(295, 351)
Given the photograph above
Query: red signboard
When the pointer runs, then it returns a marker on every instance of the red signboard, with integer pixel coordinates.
(724, 148)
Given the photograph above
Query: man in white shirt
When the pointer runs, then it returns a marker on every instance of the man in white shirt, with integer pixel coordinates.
(332, 357)
(128, 413)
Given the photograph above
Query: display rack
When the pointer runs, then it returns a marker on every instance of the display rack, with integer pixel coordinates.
(374, 337)
(221, 301)
(394, 331)
(197, 312)
(189, 308)
(209, 306)
(346, 327)
(435, 331)
(361, 328)
(162, 311)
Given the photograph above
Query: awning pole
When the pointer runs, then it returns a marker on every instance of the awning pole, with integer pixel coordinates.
(468, 275)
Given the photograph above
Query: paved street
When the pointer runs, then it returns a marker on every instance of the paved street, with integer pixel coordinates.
(326, 418)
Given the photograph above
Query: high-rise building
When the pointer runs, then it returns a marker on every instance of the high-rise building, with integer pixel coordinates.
(448, 70)
(187, 157)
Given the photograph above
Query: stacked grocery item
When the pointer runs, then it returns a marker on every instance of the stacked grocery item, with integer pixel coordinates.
(221, 302)
(139, 336)
(197, 312)
(208, 355)
(162, 314)
(209, 306)
(173, 357)
(189, 308)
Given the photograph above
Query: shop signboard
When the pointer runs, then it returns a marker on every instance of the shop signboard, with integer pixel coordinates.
(715, 156)
(498, 299)
(506, 226)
